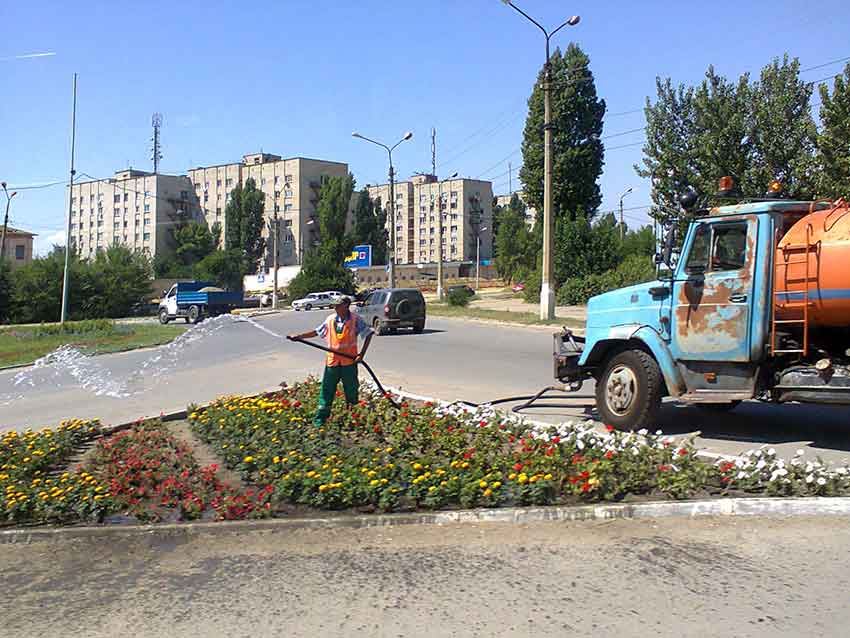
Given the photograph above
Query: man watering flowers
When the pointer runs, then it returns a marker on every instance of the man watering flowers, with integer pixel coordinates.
(340, 331)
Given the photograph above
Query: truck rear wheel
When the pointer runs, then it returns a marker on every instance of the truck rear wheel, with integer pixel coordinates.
(163, 316)
(629, 390)
(194, 314)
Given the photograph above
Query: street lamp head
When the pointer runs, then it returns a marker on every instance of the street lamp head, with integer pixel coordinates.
(574, 20)
(407, 135)
(453, 175)
(3, 184)
(355, 134)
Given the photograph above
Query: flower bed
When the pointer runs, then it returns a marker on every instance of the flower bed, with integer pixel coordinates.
(151, 476)
(426, 456)
(31, 488)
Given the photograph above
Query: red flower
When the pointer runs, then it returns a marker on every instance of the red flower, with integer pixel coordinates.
(574, 479)
(609, 455)
(517, 466)
(550, 451)
(725, 467)
(404, 414)
(683, 452)
(481, 424)
(663, 468)
(585, 487)
(724, 479)
(577, 458)
(610, 428)
(297, 404)
(409, 429)
(585, 475)
(556, 440)
(449, 429)
(511, 438)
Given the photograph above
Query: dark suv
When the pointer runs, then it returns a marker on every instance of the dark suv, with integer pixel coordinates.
(390, 308)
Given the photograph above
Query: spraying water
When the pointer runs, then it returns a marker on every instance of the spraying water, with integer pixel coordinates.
(69, 367)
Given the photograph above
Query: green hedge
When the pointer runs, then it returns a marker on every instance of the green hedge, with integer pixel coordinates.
(578, 290)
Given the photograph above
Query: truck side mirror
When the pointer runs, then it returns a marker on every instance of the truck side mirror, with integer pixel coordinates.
(667, 250)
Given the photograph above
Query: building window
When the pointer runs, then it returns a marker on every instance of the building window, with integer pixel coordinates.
(137, 236)
(228, 182)
(116, 225)
(184, 194)
(126, 196)
(20, 251)
(277, 194)
(147, 208)
(276, 178)
(287, 223)
(147, 221)
(287, 194)
(262, 181)
(146, 236)
(116, 199)
(73, 214)
(218, 211)
(288, 179)
(206, 186)
(218, 182)
(197, 186)
(100, 222)
(116, 212)
(287, 207)
(218, 197)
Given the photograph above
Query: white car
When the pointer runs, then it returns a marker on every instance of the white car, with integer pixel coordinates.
(315, 300)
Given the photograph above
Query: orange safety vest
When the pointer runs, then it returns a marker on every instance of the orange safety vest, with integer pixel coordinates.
(346, 341)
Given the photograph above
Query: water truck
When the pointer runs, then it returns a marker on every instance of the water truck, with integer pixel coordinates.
(757, 306)
(195, 300)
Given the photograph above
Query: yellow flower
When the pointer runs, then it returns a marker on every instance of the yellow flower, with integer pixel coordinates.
(482, 484)
(548, 477)
(323, 488)
(276, 460)
(374, 482)
(464, 465)
(388, 450)
(488, 492)
(432, 488)
(522, 479)
(248, 459)
(533, 479)
(417, 466)
(511, 476)
(496, 485)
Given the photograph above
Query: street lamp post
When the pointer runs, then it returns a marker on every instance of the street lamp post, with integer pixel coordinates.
(389, 150)
(478, 259)
(622, 221)
(5, 220)
(440, 235)
(547, 291)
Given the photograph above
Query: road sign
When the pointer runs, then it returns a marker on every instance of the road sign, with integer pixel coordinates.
(360, 257)
(261, 278)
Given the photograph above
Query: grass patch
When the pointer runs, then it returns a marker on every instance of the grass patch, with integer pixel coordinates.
(527, 318)
(25, 344)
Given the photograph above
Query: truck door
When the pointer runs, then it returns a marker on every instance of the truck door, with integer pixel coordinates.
(171, 301)
(713, 292)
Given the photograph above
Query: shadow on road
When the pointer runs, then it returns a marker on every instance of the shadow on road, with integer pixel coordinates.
(401, 332)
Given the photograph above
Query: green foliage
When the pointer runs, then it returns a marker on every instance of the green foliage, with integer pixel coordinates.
(752, 131)
(195, 241)
(323, 267)
(635, 269)
(578, 151)
(86, 327)
(583, 249)
(370, 227)
(833, 148)
(225, 267)
(459, 296)
(244, 220)
(106, 286)
(639, 242)
(514, 248)
(5, 291)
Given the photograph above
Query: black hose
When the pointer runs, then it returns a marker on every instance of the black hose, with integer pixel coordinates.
(348, 356)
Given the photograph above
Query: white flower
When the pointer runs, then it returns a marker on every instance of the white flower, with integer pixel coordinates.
(742, 475)
(635, 451)
(760, 464)
(643, 432)
(658, 433)
(579, 444)
(771, 452)
(810, 478)
(800, 452)
(821, 481)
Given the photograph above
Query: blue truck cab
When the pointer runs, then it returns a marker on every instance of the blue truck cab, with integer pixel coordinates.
(195, 300)
(704, 332)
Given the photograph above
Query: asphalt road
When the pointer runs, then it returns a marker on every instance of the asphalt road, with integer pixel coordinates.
(452, 360)
(667, 578)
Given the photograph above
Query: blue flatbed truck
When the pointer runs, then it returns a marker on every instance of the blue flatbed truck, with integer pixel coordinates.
(195, 300)
(744, 313)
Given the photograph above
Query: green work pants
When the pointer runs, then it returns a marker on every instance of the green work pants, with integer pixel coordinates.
(333, 375)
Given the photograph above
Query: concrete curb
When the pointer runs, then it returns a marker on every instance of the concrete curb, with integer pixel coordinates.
(813, 506)
(508, 324)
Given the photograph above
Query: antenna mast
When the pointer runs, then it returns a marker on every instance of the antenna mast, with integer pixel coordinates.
(156, 122)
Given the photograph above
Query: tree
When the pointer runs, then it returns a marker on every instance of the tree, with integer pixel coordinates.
(244, 218)
(224, 267)
(370, 226)
(782, 132)
(118, 279)
(323, 267)
(192, 241)
(577, 148)
(833, 142)
(515, 251)
(5, 291)
(582, 248)
(639, 242)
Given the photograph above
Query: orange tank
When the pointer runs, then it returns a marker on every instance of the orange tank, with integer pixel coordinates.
(823, 239)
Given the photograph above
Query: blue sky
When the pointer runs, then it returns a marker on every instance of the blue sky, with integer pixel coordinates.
(297, 77)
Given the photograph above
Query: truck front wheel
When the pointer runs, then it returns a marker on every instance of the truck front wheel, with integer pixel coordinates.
(163, 316)
(629, 390)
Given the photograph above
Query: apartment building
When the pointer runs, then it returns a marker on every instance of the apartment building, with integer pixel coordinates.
(530, 213)
(467, 209)
(291, 188)
(134, 208)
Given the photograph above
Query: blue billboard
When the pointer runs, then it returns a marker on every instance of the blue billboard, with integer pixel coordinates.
(360, 257)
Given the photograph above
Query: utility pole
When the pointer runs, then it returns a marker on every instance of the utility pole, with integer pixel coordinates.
(275, 227)
(510, 180)
(622, 219)
(5, 221)
(439, 216)
(389, 150)
(66, 275)
(547, 290)
(156, 122)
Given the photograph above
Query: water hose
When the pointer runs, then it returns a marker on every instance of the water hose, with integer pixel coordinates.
(348, 356)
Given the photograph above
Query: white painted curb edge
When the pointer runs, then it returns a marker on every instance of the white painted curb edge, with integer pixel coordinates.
(774, 507)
